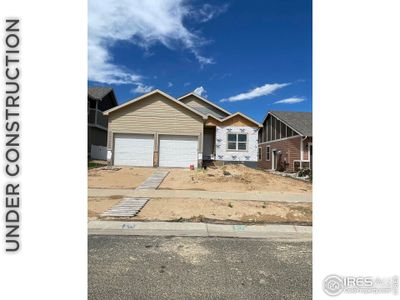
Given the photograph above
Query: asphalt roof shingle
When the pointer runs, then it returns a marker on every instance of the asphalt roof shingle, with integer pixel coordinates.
(99, 92)
(300, 121)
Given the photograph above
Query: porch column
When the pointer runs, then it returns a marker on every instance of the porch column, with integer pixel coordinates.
(301, 153)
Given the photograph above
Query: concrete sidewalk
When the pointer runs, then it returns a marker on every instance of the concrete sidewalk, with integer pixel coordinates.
(275, 232)
(251, 196)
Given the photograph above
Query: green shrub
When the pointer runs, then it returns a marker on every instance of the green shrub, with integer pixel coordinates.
(304, 173)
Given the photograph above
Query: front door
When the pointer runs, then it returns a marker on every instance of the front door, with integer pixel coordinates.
(208, 143)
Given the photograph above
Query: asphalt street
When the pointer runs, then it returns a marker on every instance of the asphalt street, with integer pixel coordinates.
(147, 267)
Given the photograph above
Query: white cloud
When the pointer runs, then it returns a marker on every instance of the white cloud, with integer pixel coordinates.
(264, 90)
(291, 100)
(142, 22)
(170, 84)
(186, 84)
(200, 91)
(142, 89)
(207, 12)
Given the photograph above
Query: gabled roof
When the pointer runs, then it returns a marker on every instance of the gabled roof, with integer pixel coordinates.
(234, 115)
(99, 92)
(140, 98)
(205, 111)
(299, 121)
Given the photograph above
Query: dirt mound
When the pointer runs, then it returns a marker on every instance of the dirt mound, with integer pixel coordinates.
(234, 173)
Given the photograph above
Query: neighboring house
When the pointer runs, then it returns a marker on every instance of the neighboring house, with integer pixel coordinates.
(158, 130)
(99, 100)
(285, 141)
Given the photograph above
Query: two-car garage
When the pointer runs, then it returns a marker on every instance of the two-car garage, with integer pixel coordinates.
(154, 130)
(138, 150)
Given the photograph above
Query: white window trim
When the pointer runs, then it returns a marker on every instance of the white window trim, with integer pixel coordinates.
(300, 161)
(237, 142)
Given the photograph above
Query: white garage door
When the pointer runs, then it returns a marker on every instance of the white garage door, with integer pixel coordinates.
(178, 151)
(133, 150)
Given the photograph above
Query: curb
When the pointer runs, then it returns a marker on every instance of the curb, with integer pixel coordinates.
(274, 232)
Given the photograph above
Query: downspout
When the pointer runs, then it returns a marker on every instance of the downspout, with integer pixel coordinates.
(302, 151)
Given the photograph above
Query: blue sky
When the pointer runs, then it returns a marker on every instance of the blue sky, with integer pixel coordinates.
(247, 56)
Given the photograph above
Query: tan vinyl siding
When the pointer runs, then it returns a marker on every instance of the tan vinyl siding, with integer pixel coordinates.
(109, 139)
(155, 114)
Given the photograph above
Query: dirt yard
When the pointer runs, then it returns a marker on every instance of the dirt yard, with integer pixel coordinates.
(218, 211)
(118, 178)
(96, 206)
(203, 210)
(232, 178)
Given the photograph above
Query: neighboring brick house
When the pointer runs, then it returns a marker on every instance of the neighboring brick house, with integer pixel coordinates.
(285, 141)
(99, 100)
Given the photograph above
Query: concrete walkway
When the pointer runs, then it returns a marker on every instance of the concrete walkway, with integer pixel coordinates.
(253, 196)
(276, 232)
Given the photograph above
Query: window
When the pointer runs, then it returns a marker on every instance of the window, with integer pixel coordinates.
(278, 129)
(269, 126)
(237, 141)
(283, 130)
(232, 140)
(273, 129)
(259, 153)
(289, 132)
(267, 152)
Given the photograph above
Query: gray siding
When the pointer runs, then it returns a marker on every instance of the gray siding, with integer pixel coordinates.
(96, 136)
